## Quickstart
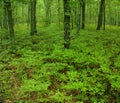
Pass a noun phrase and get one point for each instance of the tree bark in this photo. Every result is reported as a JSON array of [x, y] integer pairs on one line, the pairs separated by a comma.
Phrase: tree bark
[[100, 16], [79, 16], [10, 22], [33, 18], [66, 23], [83, 14], [104, 16], [5, 19]]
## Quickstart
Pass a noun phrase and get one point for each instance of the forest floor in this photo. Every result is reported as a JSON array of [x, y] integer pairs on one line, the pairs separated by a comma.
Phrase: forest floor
[[40, 70]]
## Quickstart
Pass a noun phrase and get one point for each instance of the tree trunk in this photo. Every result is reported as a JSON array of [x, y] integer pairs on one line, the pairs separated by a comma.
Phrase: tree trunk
[[28, 15], [10, 22], [90, 14], [47, 4], [33, 18], [118, 18], [72, 19], [5, 19], [104, 15], [23, 16], [66, 23], [83, 14], [74, 16], [78, 16], [110, 16], [100, 16], [58, 13]]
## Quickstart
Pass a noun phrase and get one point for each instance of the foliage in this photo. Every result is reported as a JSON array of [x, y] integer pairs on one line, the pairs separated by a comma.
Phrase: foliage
[[38, 71]]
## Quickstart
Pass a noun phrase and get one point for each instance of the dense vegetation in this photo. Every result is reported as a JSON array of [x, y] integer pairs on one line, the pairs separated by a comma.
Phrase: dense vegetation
[[43, 60]]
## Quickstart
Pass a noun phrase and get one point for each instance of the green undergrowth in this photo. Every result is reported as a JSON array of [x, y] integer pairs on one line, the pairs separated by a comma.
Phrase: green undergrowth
[[40, 70]]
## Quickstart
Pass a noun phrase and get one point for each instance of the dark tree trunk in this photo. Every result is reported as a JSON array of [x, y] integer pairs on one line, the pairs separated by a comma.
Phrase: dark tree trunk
[[75, 15], [66, 23], [33, 18], [72, 19], [5, 19], [118, 18], [100, 16], [47, 15], [78, 16], [10, 22], [104, 15], [83, 14]]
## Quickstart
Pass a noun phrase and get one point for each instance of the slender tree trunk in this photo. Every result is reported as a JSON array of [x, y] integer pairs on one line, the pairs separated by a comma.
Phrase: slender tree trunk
[[100, 17], [118, 18], [29, 15], [78, 16], [90, 13], [75, 15], [110, 16], [23, 16], [72, 19], [33, 18], [10, 22], [58, 13], [47, 16], [83, 14], [47, 4], [16, 13], [66, 23], [104, 16], [5, 19]]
